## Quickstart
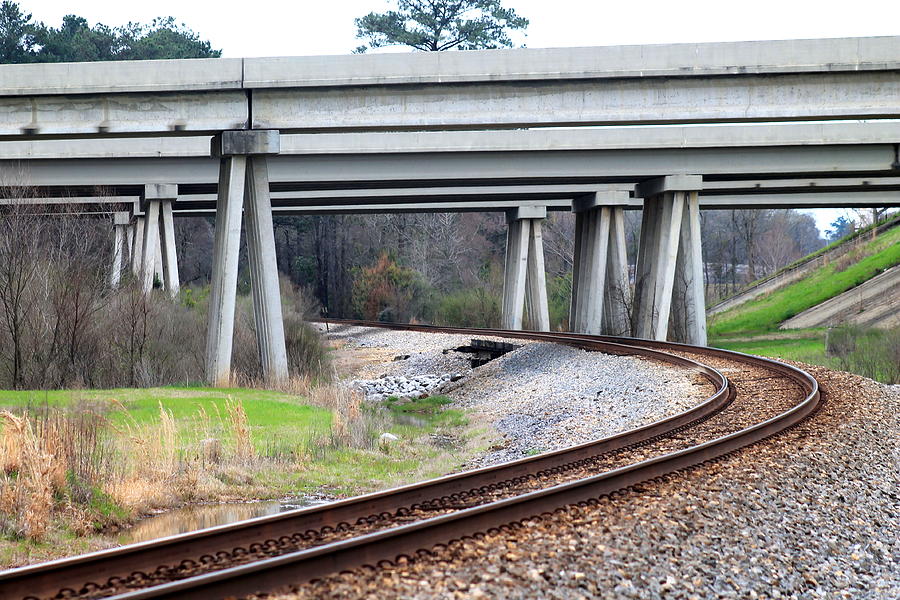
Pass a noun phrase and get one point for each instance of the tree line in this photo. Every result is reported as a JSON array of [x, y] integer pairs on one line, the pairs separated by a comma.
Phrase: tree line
[[22, 40]]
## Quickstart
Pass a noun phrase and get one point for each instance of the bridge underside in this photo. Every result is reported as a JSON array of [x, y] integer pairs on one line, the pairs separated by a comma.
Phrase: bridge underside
[[807, 123]]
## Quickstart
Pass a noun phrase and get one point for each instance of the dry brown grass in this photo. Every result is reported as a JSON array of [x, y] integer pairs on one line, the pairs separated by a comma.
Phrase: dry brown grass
[[240, 428], [34, 467]]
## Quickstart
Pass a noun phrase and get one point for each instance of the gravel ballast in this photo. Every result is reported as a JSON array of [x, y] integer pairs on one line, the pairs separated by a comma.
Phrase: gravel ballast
[[538, 397], [812, 513]]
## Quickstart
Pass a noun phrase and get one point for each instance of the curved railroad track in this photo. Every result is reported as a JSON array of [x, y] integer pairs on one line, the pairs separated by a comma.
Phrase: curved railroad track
[[758, 398]]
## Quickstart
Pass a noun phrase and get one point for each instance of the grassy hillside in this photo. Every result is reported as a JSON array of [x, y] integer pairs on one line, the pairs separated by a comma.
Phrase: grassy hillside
[[767, 312]]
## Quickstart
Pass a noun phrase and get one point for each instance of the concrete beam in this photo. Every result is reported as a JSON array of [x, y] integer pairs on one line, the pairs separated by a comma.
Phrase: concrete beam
[[605, 138], [245, 143], [476, 168], [858, 54], [822, 184], [161, 191], [605, 198], [669, 183], [859, 199], [762, 81], [526, 212]]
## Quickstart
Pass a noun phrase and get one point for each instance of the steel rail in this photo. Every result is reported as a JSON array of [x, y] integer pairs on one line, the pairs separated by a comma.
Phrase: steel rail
[[48, 579], [420, 537]]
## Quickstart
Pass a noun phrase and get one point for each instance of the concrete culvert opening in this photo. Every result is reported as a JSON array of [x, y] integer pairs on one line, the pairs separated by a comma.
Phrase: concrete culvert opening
[[484, 351]]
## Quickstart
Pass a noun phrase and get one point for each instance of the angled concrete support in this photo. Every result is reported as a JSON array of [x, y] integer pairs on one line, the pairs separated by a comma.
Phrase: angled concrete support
[[688, 320], [120, 250], [155, 195], [665, 202], [129, 240], [137, 247], [514, 273], [524, 279], [150, 243], [243, 181], [169, 256], [617, 293], [223, 288], [264, 271], [594, 230], [536, 280]]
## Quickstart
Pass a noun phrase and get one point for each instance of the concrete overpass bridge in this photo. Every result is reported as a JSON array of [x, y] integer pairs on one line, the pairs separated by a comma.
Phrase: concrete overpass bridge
[[598, 130]]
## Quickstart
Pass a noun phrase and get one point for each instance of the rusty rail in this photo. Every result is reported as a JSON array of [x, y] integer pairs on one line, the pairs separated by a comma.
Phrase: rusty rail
[[47, 579]]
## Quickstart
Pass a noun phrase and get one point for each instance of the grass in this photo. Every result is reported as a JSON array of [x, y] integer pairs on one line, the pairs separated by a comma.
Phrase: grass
[[151, 453], [806, 349], [273, 415], [871, 353], [824, 249], [767, 312]]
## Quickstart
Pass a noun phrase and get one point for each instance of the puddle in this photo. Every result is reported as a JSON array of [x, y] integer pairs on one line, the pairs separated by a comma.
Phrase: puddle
[[192, 518]]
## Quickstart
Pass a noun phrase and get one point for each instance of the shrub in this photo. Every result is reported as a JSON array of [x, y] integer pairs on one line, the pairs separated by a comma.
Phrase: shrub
[[389, 292], [872, 353], [473, 307]]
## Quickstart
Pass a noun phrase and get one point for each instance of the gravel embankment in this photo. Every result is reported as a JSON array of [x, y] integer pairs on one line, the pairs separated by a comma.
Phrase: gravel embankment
[[538, 397], [812, 513]]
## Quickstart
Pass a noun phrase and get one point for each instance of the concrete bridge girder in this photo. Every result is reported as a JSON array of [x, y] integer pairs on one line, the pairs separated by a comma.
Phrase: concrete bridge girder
[[797, 79]]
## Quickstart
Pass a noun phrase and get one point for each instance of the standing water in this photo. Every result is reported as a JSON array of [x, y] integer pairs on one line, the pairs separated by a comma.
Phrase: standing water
[[192, 518]]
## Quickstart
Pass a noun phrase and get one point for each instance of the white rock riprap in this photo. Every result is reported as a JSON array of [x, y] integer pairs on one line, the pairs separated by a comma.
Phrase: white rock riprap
[[404, 388]]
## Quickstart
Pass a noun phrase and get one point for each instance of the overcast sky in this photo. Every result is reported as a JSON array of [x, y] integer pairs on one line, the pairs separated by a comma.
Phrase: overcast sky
[[306, 27]]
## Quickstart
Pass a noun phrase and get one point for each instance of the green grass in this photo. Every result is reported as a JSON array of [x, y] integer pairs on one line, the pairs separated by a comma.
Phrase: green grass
[[767, 312], [809, 349], [273, 416], [282, 425]]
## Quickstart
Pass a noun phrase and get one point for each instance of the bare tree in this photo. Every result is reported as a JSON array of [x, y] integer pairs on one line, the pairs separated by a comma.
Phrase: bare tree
[[20, 235]]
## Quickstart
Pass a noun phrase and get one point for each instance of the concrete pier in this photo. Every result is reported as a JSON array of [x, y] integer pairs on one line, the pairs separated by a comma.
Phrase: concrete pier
[[243, 181], [120, 247], [599, 296], [169, 257], [524, 278], [671, 212], [157, 201], [137, 250], [617, 292], [264, 272]]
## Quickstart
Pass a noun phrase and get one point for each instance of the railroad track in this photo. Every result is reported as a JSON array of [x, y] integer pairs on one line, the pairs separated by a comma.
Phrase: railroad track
[[759, 398]]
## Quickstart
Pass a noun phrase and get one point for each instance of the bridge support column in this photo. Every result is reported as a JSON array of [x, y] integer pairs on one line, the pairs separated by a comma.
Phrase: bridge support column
[[243, 180], [617, 293], [137, 249], [598, 223], [169, 256], [158, 199], [524, 278], [688, 320], [664, 223], [120, 249]]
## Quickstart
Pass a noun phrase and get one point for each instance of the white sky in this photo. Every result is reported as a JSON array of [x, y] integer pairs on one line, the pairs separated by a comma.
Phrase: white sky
[[307, 27]]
